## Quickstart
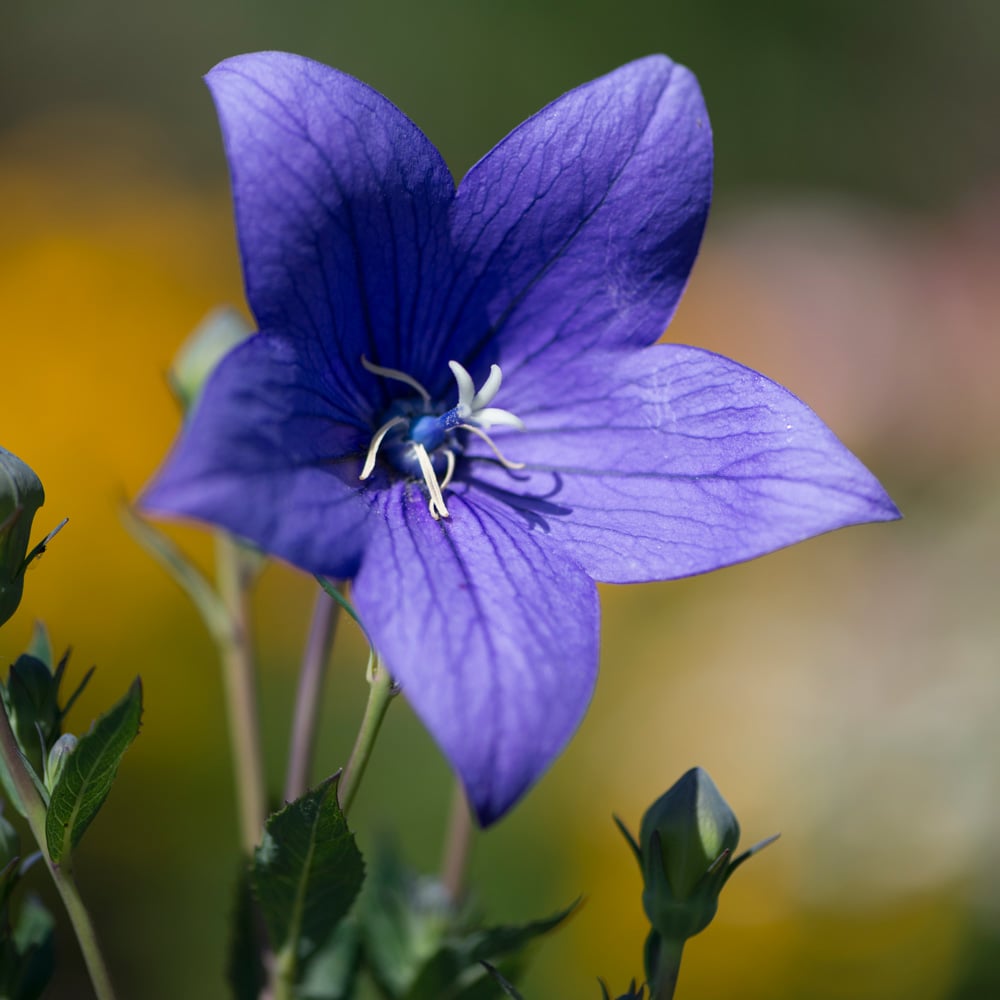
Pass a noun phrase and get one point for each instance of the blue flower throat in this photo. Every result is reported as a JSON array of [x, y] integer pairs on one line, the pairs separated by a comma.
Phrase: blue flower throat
[[421, 443]]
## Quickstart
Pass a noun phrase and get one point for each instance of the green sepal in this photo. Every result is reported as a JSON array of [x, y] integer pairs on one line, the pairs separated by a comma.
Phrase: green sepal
[[634, 993], [88, 773], [307, 872], [40, 646]]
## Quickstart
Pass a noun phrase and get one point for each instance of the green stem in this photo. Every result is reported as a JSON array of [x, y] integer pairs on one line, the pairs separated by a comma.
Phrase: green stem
[[309, 696], [84, 930], [381, 691], [34, 807], [284, 974], [233, 576], [457, 845], [668, 967]]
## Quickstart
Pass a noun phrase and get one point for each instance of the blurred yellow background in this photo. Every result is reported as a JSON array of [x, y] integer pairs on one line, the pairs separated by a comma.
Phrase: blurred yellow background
[[843, 692]]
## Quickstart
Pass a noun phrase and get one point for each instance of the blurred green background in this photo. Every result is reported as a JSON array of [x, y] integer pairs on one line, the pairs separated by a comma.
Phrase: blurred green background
[[844, 692]]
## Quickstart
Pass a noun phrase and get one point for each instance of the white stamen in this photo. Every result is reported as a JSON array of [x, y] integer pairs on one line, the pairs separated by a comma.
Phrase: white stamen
[[374, 446], [489, 390], [436, 504], [505, 462], [398, 376], [449, 456]]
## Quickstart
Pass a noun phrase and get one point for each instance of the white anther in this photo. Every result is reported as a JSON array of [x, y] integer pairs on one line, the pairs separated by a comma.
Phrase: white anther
[[505, 462], [369, 465], [398, 376], [436, 504]]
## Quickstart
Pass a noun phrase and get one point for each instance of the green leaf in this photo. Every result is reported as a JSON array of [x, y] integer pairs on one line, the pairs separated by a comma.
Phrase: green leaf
[[405, 919], [332, 973], [307, 872], [88, 774], [30, 955], [186, 575], [495, 942], [508, 988]]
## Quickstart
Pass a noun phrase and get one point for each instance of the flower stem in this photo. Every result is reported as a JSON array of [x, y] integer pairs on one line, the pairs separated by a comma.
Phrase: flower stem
[[284, 975], [309, 696], [233, 575], [84, 930], [668, 967], [34, 808], [457, 845], [381, 691]]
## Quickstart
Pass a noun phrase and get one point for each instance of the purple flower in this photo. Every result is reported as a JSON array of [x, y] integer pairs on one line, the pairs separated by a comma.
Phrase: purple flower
[[364, 432]]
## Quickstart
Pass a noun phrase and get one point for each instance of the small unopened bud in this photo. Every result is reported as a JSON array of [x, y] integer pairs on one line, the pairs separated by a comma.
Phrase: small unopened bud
[[21, 495], [217, 334], [686, 844], [687, 838], [56, 761]]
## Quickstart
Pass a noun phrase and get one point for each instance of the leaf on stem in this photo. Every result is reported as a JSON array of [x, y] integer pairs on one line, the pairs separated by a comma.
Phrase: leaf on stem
[[88, 774], [307, 872]]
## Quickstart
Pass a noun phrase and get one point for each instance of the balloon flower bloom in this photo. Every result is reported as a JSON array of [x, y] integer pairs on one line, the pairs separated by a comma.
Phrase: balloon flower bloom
[[456, 398]]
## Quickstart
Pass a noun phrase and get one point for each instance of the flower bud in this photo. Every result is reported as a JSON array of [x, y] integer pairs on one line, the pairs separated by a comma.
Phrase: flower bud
[[217, 334], [56, 760], [21, 495], [686, 840]]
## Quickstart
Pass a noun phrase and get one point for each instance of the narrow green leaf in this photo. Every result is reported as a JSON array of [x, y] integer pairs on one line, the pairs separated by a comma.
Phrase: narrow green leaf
[[307, 872], [88, 774], [508, 988], [186, 575], [495, 942]]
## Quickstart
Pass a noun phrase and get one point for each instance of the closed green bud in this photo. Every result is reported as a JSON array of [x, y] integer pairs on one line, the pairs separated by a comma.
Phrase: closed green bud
[[686, 840], [56, 760], [32, 696], [21, 495], [685, 850], [217, 334]]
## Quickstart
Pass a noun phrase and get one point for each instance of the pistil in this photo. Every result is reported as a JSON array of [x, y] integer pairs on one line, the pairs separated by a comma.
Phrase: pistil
[[428, 435]]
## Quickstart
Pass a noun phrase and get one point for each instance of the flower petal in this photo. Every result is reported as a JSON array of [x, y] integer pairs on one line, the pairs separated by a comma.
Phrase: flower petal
[[671, 461], [341, 210], [265, 456], [580, 228], [492, 634]]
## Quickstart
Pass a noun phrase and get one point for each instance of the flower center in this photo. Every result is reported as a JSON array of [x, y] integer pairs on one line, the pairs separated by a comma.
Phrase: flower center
[[423, 443]]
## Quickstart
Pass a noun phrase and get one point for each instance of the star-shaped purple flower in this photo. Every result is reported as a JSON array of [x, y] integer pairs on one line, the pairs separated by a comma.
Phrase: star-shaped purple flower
[[363, 433]]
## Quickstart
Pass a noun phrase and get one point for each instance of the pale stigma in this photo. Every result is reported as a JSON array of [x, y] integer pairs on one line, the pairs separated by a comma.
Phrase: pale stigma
[[414, 435]]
